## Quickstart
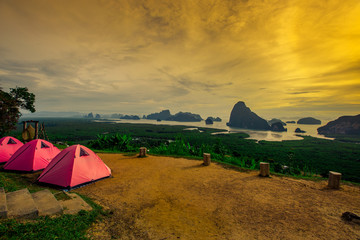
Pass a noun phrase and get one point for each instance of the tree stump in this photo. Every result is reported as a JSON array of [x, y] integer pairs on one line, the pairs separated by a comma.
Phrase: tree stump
[[264, 169], [142, 152], [334, 180], [207, 159]]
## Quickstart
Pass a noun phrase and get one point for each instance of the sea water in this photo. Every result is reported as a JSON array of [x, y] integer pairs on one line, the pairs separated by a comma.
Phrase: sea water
[[311, 130]]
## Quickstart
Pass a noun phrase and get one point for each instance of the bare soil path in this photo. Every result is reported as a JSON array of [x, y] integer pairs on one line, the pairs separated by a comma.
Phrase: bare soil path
[[175, 198]]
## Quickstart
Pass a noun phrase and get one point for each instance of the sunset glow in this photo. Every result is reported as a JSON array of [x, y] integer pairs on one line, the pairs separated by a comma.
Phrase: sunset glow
[[282, 58]]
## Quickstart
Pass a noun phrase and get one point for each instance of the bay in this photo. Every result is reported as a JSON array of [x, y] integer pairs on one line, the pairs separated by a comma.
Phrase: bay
[[311, 130]]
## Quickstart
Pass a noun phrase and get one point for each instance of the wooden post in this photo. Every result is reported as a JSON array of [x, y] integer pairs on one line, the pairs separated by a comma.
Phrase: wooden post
[[334, 180], [207, 159], [264, 169], [36, 129], [142, 152]]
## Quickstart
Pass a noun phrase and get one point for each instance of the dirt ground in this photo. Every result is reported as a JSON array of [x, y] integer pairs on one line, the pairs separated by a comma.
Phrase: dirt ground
[[175, 198]]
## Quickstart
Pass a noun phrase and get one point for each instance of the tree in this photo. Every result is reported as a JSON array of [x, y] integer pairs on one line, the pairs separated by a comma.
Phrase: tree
[[10, 105]]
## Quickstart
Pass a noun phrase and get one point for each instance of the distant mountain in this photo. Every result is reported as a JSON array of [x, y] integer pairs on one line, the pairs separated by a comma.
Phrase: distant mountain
[[130, 117], [242, 117], [52, 114], [185, 117], [90, 115], [163, 115], [179, 117], [116, 115], [309, 120], [345, 125], [274, 120], [122, 116]]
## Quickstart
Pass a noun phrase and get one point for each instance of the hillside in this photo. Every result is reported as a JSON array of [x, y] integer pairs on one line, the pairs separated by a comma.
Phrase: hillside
[[345, 125], [176, 198]]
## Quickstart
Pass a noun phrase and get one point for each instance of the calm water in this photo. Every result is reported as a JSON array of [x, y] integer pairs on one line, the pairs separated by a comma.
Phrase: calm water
[[311, 130]]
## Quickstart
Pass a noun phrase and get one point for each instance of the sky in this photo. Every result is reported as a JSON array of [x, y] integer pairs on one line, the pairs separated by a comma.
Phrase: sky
[[284, 59]]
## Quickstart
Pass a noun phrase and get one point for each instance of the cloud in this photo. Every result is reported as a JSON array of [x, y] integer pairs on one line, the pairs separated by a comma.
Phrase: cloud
[[170, 92], [296, 93], [17, 66], [201, 55], [349, 69], [187, 82], [11, 81]]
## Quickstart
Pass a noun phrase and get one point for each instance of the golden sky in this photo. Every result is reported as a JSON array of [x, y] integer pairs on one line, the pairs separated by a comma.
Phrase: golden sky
[[282, 58]]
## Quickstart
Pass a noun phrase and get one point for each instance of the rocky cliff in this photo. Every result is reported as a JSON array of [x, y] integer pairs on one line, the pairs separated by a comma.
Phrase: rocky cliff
[[242, 117], [346, 125]]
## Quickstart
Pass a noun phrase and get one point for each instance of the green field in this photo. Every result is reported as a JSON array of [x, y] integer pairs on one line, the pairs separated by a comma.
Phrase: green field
[[307, 157]]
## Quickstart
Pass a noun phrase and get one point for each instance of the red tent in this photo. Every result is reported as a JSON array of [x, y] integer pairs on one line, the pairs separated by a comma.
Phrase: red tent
[[73, 167], [33, 156], [8, 146]]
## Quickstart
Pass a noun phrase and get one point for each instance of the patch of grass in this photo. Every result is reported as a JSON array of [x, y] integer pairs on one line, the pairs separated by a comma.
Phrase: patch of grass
[[60, 146], [12, 181], [91, 203], [63, 227], [114, 151], [60, 195], [227, 165], [347, 138]]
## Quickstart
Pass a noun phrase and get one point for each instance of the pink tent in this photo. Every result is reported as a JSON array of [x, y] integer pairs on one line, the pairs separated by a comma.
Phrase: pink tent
[[8, 146], [33, 156], [73, 167]]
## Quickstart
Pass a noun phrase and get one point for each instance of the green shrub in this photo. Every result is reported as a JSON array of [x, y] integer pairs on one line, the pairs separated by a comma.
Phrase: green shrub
[[114, 142]]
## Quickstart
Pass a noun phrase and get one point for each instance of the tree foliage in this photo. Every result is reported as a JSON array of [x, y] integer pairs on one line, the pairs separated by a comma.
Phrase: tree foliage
[[10, 105]]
